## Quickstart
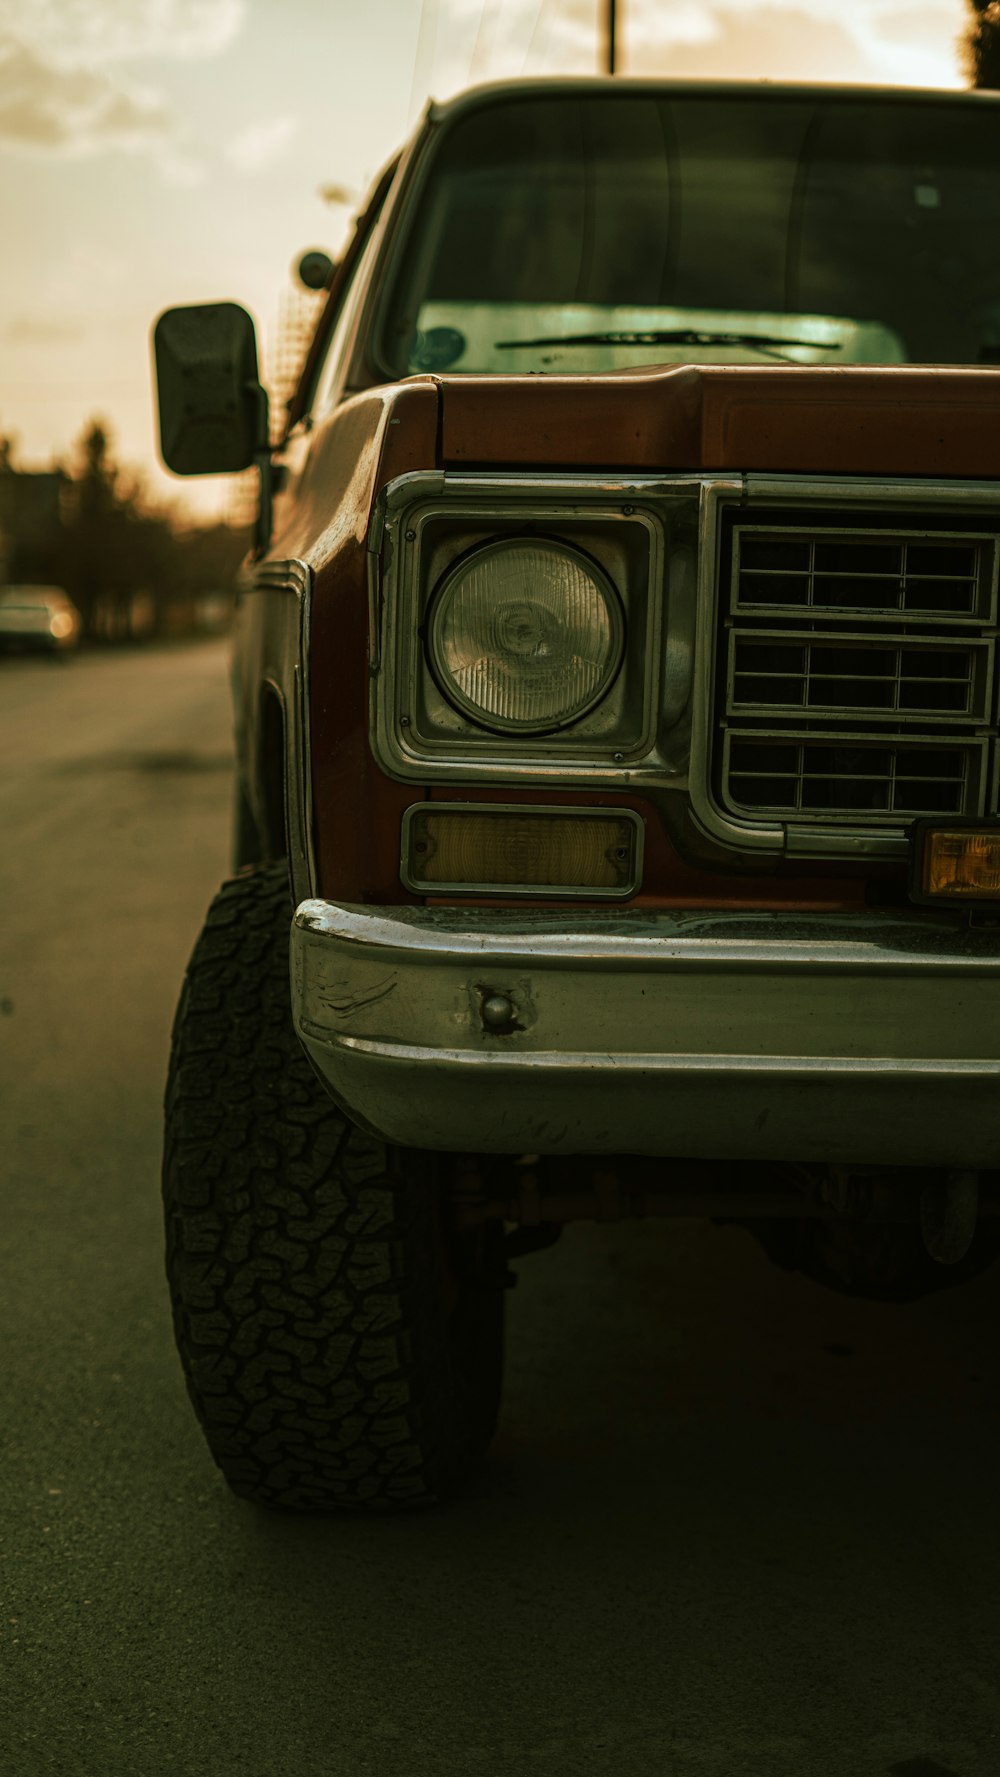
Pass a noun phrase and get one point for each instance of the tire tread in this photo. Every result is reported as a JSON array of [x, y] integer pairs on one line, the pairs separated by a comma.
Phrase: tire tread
[[304, 1264]]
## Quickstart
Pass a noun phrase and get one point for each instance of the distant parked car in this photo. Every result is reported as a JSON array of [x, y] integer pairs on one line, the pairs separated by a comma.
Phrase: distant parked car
[[38, 617]]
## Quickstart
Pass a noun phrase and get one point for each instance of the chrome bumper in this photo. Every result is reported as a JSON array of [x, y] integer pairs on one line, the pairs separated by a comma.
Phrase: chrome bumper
[[864, 1039]]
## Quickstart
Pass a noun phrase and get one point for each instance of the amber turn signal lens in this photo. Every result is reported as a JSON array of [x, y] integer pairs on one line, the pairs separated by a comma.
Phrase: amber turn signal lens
[[962, 864], [521, 850]]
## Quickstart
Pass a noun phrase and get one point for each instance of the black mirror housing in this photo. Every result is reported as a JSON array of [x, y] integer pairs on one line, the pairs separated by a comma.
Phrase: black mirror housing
[[212, 407], [315, 269]]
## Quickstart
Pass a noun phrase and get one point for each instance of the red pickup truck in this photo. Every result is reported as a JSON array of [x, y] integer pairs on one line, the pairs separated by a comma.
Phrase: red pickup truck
[[616, 693]]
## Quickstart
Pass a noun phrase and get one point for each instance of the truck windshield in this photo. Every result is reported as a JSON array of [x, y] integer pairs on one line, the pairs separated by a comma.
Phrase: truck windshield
[[578, 233]]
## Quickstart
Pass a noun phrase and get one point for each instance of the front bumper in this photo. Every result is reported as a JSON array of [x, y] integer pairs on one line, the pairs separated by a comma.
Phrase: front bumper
[[862, 1040]]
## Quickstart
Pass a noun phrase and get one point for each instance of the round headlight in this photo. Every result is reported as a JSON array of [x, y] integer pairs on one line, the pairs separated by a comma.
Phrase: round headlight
[[525, 635]]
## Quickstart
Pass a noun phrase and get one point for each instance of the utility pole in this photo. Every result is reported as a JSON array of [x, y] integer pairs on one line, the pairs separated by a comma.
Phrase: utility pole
[[609, 33]]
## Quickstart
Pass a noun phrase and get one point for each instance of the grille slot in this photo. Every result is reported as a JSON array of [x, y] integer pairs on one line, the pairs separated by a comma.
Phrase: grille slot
[[831, 572], [895, 676], [857, 669], [849, 775]]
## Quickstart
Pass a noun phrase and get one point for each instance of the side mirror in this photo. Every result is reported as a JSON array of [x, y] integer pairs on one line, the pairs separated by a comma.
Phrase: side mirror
[[213, 409]]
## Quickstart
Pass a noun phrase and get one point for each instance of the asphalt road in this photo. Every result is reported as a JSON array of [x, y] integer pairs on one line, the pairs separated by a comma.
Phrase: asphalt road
[[734, 1525]]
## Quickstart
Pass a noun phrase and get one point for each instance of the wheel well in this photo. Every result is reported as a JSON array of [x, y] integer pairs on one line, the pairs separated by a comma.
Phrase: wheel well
[[272, 812]]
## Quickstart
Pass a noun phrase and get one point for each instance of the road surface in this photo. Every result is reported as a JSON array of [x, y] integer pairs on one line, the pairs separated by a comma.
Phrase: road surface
[[734, 1525]]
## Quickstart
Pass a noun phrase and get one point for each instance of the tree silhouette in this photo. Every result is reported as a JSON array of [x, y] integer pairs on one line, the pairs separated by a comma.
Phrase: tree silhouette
[[982, 43], [106, 538], [128, 567]]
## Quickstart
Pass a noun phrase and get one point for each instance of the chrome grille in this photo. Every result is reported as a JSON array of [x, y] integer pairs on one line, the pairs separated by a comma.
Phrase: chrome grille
[[858, 675]]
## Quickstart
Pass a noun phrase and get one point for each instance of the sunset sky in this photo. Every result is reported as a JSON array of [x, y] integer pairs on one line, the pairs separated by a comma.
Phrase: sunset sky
[[160, 151]]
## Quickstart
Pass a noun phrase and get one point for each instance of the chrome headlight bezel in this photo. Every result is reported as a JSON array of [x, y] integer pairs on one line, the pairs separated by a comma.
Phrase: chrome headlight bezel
[[449, 591], [642, 535]]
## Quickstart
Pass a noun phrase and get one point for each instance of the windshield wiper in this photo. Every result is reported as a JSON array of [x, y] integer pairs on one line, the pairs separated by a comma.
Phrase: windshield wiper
[[672, 336]]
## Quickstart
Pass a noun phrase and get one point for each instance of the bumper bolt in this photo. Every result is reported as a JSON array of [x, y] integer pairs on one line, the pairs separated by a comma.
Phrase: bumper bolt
[[498, 1011]]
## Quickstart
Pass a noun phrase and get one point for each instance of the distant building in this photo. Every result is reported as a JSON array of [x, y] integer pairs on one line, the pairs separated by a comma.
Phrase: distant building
[[32, 515], [298, 312]]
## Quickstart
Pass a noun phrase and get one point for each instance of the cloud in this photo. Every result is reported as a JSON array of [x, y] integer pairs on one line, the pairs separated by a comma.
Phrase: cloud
[[770, 43], [262, 143], [32, 330], [831, 40], [101, 31], [347, 196], [822, 40], [44, 106], [928, 34], [181, 169], [62, 86]]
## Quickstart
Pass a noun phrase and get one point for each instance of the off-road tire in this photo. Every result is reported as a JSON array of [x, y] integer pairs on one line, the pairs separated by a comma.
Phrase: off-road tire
[[342, 1346]]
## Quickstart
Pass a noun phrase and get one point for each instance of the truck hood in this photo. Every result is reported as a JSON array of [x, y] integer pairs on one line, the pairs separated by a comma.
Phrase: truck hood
[[857, 421]]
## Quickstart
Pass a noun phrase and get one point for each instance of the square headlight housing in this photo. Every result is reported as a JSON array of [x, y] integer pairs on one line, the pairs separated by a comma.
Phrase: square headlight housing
[[427, 726]]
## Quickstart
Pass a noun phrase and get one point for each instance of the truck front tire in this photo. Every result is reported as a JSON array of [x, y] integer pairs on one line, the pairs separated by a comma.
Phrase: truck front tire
[[342, 1342]]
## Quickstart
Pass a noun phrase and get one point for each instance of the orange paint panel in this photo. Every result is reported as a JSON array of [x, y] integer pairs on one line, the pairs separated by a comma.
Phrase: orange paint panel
[[630, 419], [357, 809], [783, 419], [853, 422]]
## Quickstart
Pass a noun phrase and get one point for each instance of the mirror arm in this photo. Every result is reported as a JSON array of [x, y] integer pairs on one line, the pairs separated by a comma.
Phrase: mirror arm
[[262, 526], [262, 463]]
